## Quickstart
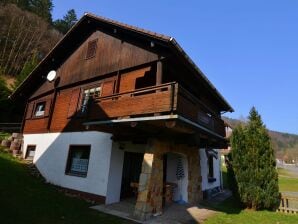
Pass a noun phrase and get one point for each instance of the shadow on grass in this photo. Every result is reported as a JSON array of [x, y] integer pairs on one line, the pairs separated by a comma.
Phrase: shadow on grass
[[26, 199], [229, 206]]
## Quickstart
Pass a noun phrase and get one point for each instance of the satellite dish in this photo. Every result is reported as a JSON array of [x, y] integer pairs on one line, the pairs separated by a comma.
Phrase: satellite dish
[[51, 76]]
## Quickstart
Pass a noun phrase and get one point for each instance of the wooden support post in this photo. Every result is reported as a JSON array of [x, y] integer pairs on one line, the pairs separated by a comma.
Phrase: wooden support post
[[159, 73], [158, 78]]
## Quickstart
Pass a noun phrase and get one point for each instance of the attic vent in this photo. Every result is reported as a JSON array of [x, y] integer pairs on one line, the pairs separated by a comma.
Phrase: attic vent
[[91, 50]]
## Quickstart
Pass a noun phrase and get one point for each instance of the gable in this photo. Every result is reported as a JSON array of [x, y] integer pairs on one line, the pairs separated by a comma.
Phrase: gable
[[112, 55]]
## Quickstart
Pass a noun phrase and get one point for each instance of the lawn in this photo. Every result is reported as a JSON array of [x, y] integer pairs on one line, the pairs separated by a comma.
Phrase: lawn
[[287, 181], [231, 213], [25, 199]]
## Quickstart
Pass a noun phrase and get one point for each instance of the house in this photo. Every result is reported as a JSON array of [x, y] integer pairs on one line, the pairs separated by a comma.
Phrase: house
[[114, 111]]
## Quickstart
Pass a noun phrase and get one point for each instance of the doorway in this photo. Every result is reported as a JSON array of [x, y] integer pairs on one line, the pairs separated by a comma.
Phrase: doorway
[[132, 167]]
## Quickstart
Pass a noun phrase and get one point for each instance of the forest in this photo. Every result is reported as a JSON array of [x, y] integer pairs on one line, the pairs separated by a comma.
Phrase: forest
[[27, 33]]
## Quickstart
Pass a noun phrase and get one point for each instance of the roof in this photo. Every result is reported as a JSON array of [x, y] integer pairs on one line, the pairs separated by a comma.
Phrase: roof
[[82, 28]]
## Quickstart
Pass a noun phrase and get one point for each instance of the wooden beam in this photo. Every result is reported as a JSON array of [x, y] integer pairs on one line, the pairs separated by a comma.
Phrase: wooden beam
[[159, 73]]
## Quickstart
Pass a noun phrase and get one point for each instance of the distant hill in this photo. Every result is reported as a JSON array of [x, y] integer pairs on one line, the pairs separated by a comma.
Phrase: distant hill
[[284, 144]]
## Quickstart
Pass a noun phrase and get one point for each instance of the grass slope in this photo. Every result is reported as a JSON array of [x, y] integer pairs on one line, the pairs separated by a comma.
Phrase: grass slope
[[25, 199]]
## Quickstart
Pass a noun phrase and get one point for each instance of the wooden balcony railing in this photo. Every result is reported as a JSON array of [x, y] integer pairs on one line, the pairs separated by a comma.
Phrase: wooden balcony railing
[[169, 98]]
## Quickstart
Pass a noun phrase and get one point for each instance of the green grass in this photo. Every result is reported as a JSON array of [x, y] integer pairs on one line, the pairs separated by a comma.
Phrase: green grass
[[224, 177], [287, 181], [230, 213], [25, 199], [4, 135]]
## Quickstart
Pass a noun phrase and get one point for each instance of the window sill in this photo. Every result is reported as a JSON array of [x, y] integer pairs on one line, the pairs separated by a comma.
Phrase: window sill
[[211, 179], [76, 175], [38, 117]]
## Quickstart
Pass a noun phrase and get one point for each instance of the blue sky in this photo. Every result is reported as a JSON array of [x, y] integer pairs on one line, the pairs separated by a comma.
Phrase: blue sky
[[247, 49]]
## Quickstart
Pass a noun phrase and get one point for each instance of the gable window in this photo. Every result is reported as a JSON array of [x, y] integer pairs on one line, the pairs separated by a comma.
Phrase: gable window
[[91, 49], [88, 95], [78, 160], [40, 109], [30, 152]]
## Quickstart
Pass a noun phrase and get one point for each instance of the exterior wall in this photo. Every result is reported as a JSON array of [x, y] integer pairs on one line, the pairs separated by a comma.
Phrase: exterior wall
[[171, 176], [204, 171], [116, 166], [115, 175], [150, 189], [51, 158], [112, 55]]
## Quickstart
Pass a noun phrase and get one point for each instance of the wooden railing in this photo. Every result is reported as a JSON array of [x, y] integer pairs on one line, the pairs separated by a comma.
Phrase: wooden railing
[[191, 107], [10, 127], [168, 98], [288, 204]]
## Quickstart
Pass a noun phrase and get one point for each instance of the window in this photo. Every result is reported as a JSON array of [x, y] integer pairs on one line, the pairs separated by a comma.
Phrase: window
[[40, 109], [88, 95], [78, 160], [30, 152], [210, 167], [91, 49], [211, 155]]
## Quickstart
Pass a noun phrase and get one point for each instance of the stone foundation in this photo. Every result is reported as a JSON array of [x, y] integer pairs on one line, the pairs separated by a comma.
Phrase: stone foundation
[[150, 193]]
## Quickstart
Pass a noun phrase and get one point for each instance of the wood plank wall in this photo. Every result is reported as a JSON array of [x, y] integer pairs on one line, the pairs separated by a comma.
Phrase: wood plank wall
[[112, 55]]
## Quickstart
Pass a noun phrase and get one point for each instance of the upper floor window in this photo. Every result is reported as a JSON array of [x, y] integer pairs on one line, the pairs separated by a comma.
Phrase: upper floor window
[[88, 95], [40, 109], [91, 49]]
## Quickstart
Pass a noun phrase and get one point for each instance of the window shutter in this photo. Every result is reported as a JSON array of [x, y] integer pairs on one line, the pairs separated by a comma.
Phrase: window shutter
[[29, 112], [73, 103], [108, 88], [48, 107], [91, 49]]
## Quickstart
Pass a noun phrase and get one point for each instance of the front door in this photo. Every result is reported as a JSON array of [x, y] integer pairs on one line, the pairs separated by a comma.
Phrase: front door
[[132, 167]]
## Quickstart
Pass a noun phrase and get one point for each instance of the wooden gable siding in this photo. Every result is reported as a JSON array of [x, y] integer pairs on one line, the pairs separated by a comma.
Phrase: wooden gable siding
[[61, 118], [33, 124], [68, 102], [112, 55], [128, 80]]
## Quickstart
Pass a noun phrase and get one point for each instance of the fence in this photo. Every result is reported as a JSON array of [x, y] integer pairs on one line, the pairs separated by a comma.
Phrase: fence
[[289, 204], [10, 127]]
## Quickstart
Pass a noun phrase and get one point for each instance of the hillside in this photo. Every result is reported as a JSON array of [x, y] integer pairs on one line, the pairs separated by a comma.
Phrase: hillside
[[284, 144]]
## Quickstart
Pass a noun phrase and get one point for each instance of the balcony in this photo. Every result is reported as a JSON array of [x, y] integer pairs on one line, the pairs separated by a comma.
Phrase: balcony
[[169, 100]]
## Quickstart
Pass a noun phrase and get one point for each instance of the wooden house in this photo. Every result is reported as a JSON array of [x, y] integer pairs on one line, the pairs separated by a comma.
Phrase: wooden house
[[125, 105]]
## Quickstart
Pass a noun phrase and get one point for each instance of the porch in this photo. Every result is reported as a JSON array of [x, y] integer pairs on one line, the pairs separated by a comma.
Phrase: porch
[[175, 213]]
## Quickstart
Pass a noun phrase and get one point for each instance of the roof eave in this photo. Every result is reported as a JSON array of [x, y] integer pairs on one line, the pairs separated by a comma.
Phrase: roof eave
[[190, 61]]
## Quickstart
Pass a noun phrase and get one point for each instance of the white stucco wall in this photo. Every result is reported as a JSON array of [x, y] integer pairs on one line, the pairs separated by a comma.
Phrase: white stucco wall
[[204, 171], [115, 175], [171, 176], [116, 167], [51, 158]]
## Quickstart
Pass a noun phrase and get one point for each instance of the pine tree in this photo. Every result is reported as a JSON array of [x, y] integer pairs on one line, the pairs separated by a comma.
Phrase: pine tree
[[63, 25], [254, 164]]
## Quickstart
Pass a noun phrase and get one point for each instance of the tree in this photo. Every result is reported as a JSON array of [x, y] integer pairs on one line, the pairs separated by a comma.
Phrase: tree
[[254, 164], [63, 25], [42, 8], [4, 90], [27, 69]]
